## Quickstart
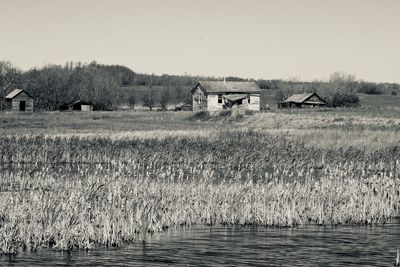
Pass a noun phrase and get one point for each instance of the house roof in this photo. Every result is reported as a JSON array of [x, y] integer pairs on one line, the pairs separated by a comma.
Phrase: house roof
[[234, 98], [15, 93], [302, 98], [228, 87], [78, 102]]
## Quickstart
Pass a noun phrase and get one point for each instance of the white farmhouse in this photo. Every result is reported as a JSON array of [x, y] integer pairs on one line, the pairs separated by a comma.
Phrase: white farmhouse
[[218, 95]]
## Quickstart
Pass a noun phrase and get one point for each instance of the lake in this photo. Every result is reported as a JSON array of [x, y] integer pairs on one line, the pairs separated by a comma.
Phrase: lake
[[239, 246]]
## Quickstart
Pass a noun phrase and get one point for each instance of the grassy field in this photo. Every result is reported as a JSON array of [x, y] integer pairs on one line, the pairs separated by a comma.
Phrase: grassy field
[[81, 180]]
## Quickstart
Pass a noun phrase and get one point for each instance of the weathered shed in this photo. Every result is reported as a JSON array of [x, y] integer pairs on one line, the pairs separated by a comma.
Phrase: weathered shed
[[182, 106], [19, 100], [218, 95], [80, 105], [303, 100]]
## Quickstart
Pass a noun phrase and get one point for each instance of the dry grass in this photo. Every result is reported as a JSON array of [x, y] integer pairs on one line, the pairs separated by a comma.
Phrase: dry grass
[[83, 211], [102, 179]]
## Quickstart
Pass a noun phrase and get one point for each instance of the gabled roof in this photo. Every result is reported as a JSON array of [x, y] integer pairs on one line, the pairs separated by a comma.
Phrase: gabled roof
[[301, 98], [15, 93], [228, 87]]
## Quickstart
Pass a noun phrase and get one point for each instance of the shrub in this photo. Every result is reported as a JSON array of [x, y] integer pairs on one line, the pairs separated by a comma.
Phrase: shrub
[[369, 88], [345, 100], [201, 115]]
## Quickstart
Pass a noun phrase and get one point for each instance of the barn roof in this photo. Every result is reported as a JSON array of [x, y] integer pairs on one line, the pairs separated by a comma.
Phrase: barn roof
[[15, 93], [301, 98], [228, 87]]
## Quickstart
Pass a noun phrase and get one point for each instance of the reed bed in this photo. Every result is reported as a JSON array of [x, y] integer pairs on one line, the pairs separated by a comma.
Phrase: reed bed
[[85, 210], [231, 154], [79, 192]]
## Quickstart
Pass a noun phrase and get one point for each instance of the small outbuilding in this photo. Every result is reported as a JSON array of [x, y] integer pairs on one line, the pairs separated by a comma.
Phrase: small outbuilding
[[219, 95], [309, 100], [182, 106], [19, 100], [80, 105]]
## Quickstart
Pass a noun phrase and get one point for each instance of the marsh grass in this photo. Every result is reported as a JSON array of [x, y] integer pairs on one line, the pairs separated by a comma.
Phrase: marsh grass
[[243, 153], [81, 192], [103, 179], [83, 211]]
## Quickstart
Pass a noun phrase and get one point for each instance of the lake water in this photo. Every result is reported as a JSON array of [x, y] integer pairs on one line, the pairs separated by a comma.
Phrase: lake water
[[239, 246]]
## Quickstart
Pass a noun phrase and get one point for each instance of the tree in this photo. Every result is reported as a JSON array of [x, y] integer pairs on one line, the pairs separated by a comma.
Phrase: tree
[[178, 94], [49, 86], [165, 99], [287, 88], [9, 79], [148, 99], [369, 88], [341, 90], [132, 101]]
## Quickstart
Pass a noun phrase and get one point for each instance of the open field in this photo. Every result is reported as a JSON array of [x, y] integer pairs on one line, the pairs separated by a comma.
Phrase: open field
[[80, 180]]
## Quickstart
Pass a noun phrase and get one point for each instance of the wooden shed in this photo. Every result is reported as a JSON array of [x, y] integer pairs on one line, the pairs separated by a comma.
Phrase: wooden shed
[[19, 100], [80, 105], [310, 100]]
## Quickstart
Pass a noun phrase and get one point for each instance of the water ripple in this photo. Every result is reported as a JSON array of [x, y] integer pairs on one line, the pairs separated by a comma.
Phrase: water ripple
[[239, 246]]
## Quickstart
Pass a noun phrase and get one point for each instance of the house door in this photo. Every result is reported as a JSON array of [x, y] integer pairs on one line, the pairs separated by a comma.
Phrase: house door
[[21, 105]]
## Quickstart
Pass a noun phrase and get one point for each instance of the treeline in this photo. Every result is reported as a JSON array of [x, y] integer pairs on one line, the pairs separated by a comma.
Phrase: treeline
[[109, 86], [54, 86]]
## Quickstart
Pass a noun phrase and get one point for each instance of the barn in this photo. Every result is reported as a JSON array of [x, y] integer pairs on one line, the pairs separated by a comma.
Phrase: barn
[[310, 100], [219, 95], [19, 100], [80, 105]]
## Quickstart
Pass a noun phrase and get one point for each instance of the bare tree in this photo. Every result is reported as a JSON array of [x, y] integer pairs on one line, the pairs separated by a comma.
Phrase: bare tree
[[132, 101], [148, 99], [8, 79], [165, 99], [178, 93]]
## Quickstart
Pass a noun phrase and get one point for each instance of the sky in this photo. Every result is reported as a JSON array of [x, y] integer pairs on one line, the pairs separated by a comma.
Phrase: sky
[[282, 39]]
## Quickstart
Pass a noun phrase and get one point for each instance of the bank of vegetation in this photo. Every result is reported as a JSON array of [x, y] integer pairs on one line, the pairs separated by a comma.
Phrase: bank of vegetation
[[108, 87]]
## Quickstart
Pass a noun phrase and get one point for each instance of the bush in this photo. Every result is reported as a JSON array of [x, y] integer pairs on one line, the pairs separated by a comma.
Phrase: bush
[[201, 115], [369, 88], [394, 92], [345, 100]]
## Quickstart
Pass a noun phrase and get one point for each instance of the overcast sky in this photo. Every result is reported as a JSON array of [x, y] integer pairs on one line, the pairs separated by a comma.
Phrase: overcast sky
[[307, 39]]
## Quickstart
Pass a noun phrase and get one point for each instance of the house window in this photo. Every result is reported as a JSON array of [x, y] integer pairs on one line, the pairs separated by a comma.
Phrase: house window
[[220, 99], [248, 100], [240, 102]]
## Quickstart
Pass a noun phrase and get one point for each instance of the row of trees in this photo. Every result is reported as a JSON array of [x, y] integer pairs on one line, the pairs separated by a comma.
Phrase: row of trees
[[53, 85], [160, 96], [107, 86]]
